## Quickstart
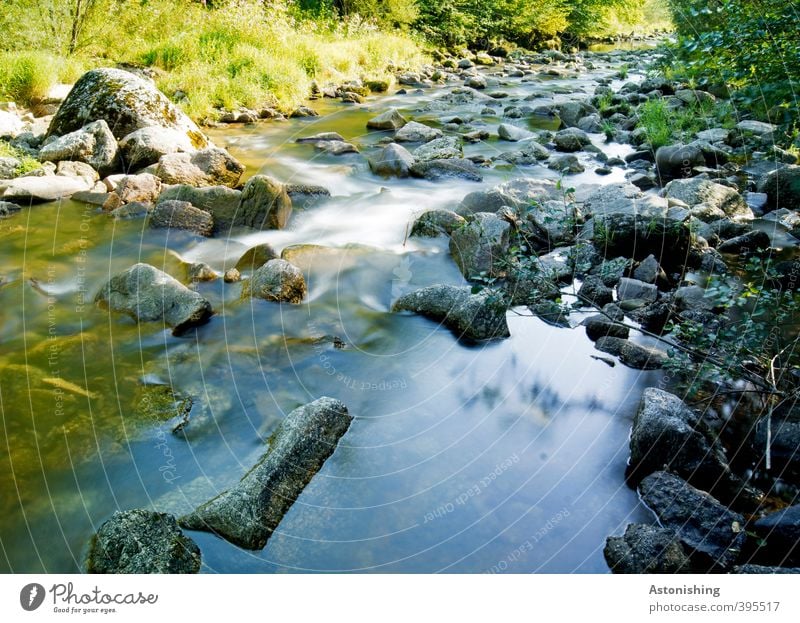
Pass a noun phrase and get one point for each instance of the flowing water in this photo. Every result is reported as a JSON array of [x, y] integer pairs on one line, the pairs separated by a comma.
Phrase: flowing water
[[506, 456]]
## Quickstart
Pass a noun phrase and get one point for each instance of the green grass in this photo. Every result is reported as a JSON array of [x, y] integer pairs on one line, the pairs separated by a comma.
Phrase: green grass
[[665, 125], [27, 164], [26, 76]]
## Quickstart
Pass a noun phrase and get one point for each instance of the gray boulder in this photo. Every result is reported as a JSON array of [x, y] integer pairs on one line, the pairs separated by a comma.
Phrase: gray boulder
[[630, 289], [631, 354], [144, 187], [480, 245], [27, 190], [142, 541], [698, 190], [751, 241], [255, 257], [782, 187], [714, 534], [389, 120], [439, 149], [646, 549], [277, 280], [174, 214], [595, 291], [460, 168], [519, 193], [10, 124], [208, 167], [248, 514], [264, 204], [571, 139], [219, 201], [509, 132], [9, 167], [413, 132], [678, 161], [93, 144], [148, 294], [473, 316], [394, 160], [434, 223], [781, 531], [145, 146], [125, 102], [600, 326]]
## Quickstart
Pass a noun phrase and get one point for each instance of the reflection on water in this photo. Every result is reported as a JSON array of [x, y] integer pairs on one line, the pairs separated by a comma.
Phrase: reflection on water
[[507, 456]]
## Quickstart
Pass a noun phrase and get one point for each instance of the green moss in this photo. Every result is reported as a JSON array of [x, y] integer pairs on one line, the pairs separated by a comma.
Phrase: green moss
[[27, 164]]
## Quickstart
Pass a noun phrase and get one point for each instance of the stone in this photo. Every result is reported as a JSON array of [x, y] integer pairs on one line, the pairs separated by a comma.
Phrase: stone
[[591, 124], [144, 187], [71, 168], [148, 294], [571, 139], [649, 270], [781, 531], [594, 291], [9, 167], [695, 96], [445, 168], [335, 148], [631, 354], [750, 242], [628, 289], [714, 534], [509, 132], [394, 160], [567, 163], [248, 513], [7, 208], [439, 149], [208, 167], [413, 132], [142, 541], [782, 187], [264, 204], [573, 112], [433, 223], [231, 276], [277, 280], [678, 161], [145, 146], [26, 190], [599, 326], [10, 124], [475, 82], [93, 144], [172, 214], [748, 569], [256, 256], [125, 102], [519, 194], [714, 135], [646, 549], [200, 271], [698, 190], [219, 201], [389, 120], [479, 246], [759, 128], [692, 298], [477, 316], [321, 136]]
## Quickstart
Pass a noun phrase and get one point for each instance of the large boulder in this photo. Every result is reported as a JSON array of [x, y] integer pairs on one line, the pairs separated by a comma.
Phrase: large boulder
[[219, 201], [389, 120], [698, 190], [632, 354], [145, 146], [439, 149], [646, 549], [142, 541], [781, 532], [144, 187], [571, 140], [93, 144], [208, 167], [414, 132], [433, 223], [248, 513], [509, 132], [460, 168], [713, 534], [519, 194], [173, 214], [782, 187], [479, 246], [25, 190], [394, 160], [256, 257], [126, 102], [678, 161], [265, 204], [148, 294], [277, 280], [473, 316]]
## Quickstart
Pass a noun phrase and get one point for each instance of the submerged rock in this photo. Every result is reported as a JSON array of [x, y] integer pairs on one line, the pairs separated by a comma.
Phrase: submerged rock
[[277, 280], [142, 541], [93, 144], [249, 513], [450, 167], [631, 354], [474, 316], [714, 534], [256, 256], [148, 294], [646, 549], [219, 201], [439, 149]]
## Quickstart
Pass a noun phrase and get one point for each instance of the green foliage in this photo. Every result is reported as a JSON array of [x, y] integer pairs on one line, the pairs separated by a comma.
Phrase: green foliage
[[655, 118], [27, 163], [26, 76], [664, 125]]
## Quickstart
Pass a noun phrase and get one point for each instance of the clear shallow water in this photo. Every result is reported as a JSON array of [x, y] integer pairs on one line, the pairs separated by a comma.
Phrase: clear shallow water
[[505, 457]]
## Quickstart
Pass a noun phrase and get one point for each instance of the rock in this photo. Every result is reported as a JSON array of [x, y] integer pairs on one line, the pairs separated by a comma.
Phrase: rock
[[26, 190], [125, 102], [781, 531], [628, 289], [759, 128], [698, 190], [70, 168], [200, 271], [475, 82], [571, 139], [277, 280], [519, 194], [148, 294], [509, 132], [439, 149], [592, 124], [573, 112], [219, 201], [529, 152], [93, 144], [714, 135], [10, 125], [678, 161], [782, 187], [144, 187], [322, 136], [145, 146], [248, 514], [750, 242], [232, 276], [256, 256], [599, 326], [142, 541], [264, 204], [480, 245], [473, 316], [7, 208], [649, 270], [174, 214], [784, 440], [304, 195], [303, 111], [595, 291], [762, 569], [450, 167], [715, 534], [9, 167], [631, 354], [433, 223], [209, 167], [695, 96], [389, 120], [567, 163], [646, 549], [413, 132], [335, 148], [394, 159]]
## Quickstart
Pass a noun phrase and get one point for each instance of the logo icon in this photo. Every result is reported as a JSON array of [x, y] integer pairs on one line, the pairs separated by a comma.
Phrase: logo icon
[[31, 596]]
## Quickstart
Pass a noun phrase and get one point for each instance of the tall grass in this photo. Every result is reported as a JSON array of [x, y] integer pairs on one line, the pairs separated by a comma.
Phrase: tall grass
[[27, 76]]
